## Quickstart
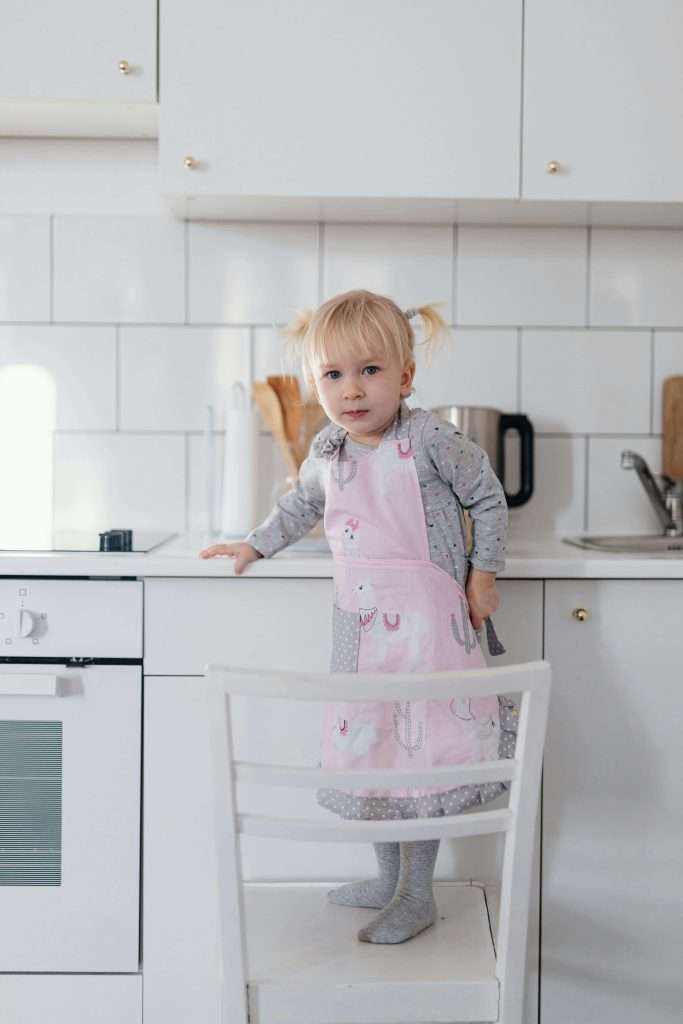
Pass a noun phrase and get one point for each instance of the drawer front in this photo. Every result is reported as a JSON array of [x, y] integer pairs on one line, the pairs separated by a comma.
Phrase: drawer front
[[48, 618], [262, 623]]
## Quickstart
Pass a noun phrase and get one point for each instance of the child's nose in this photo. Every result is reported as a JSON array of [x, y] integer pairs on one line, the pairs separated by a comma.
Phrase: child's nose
[[353, 387]]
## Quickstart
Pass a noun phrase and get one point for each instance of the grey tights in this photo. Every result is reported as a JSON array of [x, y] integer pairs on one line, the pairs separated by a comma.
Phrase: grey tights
[[403, 889]]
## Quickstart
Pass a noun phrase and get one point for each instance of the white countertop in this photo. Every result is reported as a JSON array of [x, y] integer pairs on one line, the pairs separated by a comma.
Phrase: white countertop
[[544, 558]]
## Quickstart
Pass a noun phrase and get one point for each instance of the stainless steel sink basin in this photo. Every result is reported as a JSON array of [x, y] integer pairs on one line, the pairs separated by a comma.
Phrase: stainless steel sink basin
[[640, 544]]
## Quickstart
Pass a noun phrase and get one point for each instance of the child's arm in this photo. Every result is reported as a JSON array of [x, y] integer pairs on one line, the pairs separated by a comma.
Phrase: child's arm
[[293, 515], [466, 468]]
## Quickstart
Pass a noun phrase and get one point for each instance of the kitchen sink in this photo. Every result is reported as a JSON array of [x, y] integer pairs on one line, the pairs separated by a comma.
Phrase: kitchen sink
[[640, 544]]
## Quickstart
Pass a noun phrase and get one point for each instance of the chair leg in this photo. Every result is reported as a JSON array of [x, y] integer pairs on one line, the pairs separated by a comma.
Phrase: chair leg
[[412, 908], [372, 892]]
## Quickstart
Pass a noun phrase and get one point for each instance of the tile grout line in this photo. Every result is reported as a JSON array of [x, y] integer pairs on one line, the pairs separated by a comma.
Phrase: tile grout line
[[117, 378], [454, 275], [519, 368], [186, 271], [652, 382], [589, 257], [51, 301], [321, 261], [586, 481]]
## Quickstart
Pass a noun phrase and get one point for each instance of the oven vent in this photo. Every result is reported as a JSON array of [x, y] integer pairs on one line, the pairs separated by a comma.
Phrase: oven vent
[[30, 803]]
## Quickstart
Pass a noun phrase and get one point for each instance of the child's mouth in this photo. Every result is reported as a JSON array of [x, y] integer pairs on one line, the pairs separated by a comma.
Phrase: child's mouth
[[356, 414]]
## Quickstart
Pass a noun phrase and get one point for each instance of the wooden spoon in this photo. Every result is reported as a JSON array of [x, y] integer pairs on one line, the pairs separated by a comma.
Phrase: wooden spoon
[[271, 411], [287, 389]]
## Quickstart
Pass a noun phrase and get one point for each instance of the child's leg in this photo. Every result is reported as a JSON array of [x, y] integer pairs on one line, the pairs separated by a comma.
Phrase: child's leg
[[412, 908], [374, 892]]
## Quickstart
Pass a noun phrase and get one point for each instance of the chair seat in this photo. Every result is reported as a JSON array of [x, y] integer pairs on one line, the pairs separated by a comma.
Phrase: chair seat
[[307, 966]]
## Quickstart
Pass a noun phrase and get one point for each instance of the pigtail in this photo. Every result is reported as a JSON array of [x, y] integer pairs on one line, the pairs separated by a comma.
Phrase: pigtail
[[295, 333], [436, 330]]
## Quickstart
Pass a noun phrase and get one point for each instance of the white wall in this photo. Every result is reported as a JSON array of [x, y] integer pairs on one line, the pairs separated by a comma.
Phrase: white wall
[[142, 320]]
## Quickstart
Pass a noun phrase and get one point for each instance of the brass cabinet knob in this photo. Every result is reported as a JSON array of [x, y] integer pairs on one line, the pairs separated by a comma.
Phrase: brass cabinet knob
[[124, 67], [190, 162], [581, 614], [552, 167]]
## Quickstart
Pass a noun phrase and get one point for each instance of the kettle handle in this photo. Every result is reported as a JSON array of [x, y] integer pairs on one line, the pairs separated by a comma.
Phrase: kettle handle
[[518, 421]]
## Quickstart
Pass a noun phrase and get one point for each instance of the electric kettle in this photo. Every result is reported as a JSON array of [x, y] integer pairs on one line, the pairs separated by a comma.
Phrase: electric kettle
[[487, 428]]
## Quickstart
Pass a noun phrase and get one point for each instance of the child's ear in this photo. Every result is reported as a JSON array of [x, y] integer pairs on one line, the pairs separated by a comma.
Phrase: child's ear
[[407, 379]]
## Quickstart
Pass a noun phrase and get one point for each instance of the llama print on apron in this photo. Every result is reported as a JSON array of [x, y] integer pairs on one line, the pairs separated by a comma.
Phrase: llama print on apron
[[396, 611]]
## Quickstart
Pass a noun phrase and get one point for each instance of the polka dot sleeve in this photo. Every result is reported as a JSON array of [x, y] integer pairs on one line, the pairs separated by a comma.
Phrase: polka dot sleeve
[[466, 468]]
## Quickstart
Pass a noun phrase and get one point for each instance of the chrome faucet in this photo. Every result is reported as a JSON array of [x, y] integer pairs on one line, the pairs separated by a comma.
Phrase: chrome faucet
[[666, 497]]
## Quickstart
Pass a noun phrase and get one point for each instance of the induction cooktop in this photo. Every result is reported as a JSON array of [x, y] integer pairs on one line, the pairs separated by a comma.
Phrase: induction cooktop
[[90, 540]]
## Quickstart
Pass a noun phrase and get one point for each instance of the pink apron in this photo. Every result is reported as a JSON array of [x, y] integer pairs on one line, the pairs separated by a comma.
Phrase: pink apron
[[395, 610]]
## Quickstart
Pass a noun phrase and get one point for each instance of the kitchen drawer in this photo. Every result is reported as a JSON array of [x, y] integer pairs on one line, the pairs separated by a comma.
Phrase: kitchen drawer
[[69, 998], [268, 623], [60, 618]]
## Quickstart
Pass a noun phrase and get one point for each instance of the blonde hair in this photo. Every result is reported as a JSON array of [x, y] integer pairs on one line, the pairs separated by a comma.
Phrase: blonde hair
[[363, 323]]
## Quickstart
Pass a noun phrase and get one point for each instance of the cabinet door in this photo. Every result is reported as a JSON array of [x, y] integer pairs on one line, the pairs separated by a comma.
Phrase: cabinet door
[[71, 50], [341, 98], [603, 96], [612, 906]]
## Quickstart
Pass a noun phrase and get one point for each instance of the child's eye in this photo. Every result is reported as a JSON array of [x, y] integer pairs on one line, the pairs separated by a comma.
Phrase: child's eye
[[372, 370], [331, 373]]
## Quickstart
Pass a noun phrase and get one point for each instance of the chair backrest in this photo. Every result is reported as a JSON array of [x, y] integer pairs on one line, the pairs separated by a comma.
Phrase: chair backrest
[[516, 821]]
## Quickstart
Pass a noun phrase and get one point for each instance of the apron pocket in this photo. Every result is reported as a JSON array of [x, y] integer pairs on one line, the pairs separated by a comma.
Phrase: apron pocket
[[345, 640]]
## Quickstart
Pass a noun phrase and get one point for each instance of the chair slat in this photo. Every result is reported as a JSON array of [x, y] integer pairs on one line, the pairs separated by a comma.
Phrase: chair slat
[[388, 686], [403, 830], [450, 775]]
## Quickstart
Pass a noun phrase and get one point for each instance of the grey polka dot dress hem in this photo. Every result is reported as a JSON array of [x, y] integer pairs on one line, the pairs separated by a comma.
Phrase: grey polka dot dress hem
[[432, 805]]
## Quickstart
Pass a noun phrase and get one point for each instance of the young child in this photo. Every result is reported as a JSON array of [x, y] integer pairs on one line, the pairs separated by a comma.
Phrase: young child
[[391, 483]]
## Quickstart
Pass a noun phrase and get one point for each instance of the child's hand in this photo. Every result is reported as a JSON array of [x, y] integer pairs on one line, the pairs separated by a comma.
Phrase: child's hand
[[242, 553], [482, 596]]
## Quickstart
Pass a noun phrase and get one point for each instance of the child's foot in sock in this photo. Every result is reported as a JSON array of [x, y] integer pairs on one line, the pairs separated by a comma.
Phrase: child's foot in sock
[[373, 892], [412, 908], [370, 893], [403, 918]]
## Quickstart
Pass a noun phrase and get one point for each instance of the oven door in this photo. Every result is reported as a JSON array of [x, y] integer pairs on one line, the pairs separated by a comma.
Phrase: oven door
[[70, 768]]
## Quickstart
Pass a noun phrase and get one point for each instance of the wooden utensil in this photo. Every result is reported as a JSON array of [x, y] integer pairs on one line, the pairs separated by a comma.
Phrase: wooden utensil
[[270, 409], [287, 389], [672, 427]]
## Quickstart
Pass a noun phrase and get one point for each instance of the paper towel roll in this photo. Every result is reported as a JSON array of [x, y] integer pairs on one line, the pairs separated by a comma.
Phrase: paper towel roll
[[238, 510]]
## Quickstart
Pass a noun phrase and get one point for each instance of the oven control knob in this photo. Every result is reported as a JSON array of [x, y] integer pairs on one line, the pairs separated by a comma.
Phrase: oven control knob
[[25, 623]]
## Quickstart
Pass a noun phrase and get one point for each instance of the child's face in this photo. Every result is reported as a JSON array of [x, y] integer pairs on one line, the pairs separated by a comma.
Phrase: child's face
[[362, 393]]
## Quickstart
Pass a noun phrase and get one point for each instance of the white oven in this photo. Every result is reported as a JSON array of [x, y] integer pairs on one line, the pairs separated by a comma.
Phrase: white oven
[[70, 771]]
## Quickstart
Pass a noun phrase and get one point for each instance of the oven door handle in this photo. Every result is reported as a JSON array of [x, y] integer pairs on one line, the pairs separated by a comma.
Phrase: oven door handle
[[25, 684]]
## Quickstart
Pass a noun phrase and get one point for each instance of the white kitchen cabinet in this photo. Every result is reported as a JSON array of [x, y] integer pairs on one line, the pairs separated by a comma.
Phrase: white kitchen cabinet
[[275, 106], [603, 98], [612, 908], [60, 71], [274, 623]]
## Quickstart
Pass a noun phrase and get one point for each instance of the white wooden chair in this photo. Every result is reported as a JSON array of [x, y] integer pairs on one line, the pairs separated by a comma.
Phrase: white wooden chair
[[291, 957]]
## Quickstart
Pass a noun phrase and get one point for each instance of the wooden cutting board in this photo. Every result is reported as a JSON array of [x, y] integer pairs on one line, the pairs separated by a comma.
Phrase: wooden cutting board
[[672, 427]]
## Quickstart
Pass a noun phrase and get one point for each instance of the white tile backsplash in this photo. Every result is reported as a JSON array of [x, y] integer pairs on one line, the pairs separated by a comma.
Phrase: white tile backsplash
[[170, 374], [119, 269], [412, 263], [472, 368], [591, 382], [617, 502], [131, 481], [522, 276], [25, 268], [242, 272], [78, 362], [139, 320], [636, 277]]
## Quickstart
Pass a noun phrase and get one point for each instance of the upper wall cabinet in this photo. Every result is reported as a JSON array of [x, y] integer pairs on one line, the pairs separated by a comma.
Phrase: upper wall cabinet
[[603, 100], [273, 109], [78, 67]]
